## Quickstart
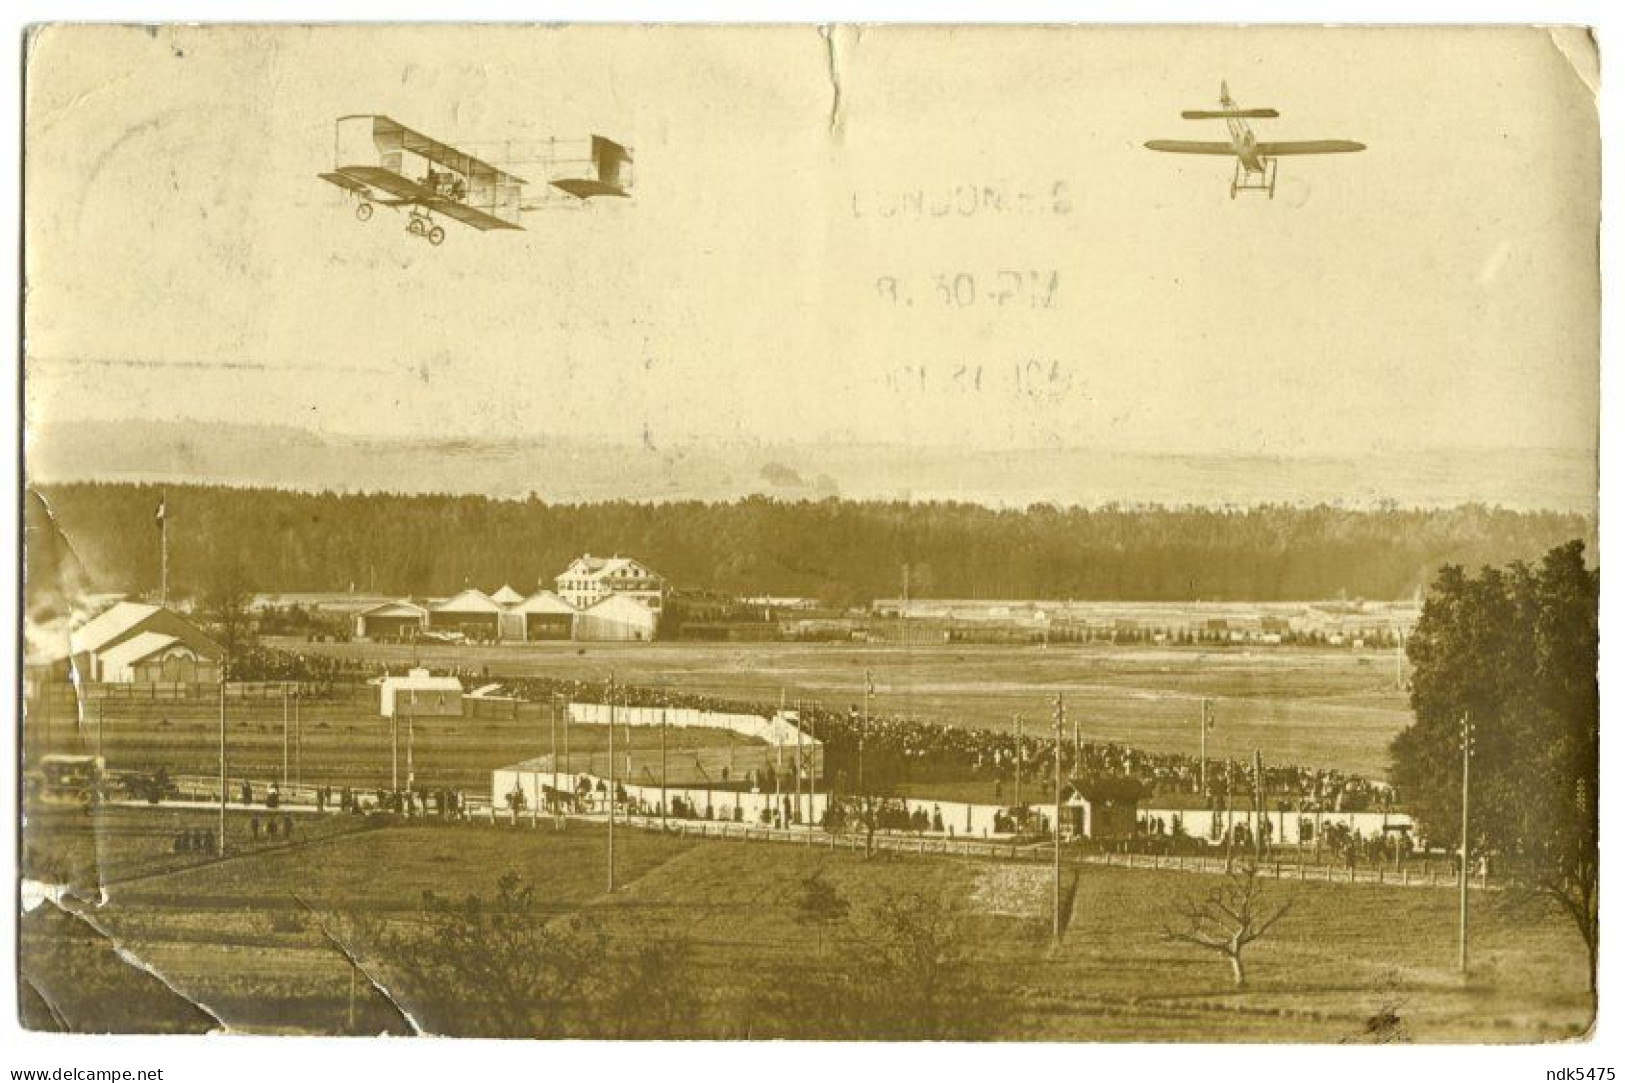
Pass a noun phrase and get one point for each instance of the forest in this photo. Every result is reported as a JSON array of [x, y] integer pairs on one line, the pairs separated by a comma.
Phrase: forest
[[842, 551]]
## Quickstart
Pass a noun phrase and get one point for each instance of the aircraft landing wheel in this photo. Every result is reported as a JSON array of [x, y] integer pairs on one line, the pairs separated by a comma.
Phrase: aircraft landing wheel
[[414, 227], [436, 235], [363, 211]]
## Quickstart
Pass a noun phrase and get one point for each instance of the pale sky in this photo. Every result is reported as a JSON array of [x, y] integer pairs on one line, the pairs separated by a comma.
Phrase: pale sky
[[1437, 290]]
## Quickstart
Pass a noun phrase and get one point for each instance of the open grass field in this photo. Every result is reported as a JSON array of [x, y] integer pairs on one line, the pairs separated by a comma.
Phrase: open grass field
[[1319, 707], [257, 940]]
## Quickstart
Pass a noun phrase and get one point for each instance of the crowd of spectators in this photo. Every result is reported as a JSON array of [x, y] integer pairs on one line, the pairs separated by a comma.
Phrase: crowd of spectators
[[896, 749]]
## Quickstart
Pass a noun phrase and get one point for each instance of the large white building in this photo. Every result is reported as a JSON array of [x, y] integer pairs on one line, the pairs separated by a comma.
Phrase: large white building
[[591, 579]]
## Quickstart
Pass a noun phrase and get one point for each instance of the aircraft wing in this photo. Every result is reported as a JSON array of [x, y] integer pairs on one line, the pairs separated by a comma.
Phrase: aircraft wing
[[347, 183], [1222, 114], [1313, 146], [1185, 146], [405, 190], [470, 216]]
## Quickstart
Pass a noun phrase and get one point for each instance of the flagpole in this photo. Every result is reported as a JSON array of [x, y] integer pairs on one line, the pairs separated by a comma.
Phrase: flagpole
[[611, 698], [1060, 722], [163, 549]]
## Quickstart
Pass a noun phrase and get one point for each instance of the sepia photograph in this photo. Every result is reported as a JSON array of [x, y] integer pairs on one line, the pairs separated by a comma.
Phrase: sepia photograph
[[835, 533]]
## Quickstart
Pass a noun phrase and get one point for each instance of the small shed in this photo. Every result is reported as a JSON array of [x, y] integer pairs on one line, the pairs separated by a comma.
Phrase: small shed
[[420, 694], [1106, 807]]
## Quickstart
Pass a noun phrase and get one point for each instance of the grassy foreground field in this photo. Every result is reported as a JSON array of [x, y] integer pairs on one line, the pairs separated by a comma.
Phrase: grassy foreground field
[[258, 940], [1320, 707]]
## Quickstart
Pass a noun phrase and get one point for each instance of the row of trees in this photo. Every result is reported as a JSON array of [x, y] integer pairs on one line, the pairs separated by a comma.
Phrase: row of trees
[[840, 550]]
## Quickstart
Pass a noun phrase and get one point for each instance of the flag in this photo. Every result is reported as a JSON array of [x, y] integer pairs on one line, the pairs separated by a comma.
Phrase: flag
[[869, 681], [1207, 714], [162, 511]]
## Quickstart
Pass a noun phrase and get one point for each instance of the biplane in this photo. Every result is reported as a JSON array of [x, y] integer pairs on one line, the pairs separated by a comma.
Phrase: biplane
[[382, 163], [1255, 161]]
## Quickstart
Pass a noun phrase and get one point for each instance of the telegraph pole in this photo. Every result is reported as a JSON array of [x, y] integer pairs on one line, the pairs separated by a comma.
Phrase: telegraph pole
[[801, 770], [1207, 720], [1258, 806], [1466, 772], [221, 849], [1060, 721], [1018, 760], [868, 686], [298, 742], [285, 739], [611, 698]]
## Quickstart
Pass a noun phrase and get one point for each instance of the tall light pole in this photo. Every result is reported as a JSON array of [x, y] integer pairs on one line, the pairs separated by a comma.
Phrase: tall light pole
[[611, 698], [863, 733], [298, 742], [1018, 760], [1466, 773], [1207, 720], [1060, 721], [1258, 806], [285, 738], [221, 849]]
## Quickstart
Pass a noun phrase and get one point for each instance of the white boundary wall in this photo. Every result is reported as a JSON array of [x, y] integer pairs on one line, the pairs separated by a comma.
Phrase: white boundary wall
[[776, 731]]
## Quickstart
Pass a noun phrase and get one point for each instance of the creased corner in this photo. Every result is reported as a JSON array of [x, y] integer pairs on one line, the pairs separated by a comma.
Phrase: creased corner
[[1578, 45], [132, 959]]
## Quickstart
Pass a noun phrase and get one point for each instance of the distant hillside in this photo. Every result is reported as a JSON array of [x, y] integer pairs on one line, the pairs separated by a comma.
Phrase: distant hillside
[[575, 471], [838, 549]]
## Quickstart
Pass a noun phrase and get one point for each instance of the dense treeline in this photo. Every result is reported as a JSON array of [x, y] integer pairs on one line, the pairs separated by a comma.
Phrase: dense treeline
[[840, 550]]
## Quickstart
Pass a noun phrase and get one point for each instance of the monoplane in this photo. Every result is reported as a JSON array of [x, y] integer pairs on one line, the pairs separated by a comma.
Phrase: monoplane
[[1255, 161]]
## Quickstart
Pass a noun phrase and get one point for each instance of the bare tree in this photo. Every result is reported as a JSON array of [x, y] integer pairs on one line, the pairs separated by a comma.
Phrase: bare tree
[[1229, 917], [225, 604]]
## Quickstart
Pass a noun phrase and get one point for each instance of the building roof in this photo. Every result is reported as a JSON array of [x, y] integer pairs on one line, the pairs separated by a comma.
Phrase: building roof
[[604, 567], [423, 682], [109, 625], [137, 648], [469, 601], [506, 595], [545, 601], [609, 603], [401, 608]]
